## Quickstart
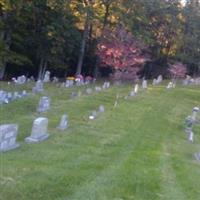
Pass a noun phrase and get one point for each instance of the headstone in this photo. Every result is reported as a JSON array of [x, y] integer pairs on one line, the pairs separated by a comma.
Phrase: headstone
[[21, 79], [101, 109], [159, 79], [132, 93], [38, 87], [63, 123], [24, 93], [88, 91], [154, 81], [39, 131], [44, 104], [197, 156], [195, 110], [106, 85], [136, 88], [144, 84], [55, 79], [191, 137], [8, 134], [98, 89], [47, 77]]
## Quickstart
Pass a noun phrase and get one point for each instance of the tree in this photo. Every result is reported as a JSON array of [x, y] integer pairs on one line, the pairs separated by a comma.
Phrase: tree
[[119, 50], [177, 70]]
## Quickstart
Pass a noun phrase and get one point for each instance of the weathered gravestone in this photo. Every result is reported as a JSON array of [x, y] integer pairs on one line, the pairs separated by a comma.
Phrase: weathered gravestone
[[38, 87], [144, 84], [44, 104], [21, 80], [8, 134], [47, 77], [132, 93], [98, 89], [154, 81], [159, 79], [39, 131], [63, 123], [89, 91], [101, 109]]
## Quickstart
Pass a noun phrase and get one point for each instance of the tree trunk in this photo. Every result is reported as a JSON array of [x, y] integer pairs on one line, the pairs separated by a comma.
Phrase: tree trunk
[[105, 21], [40, 72], [5, 36], [83, 44]]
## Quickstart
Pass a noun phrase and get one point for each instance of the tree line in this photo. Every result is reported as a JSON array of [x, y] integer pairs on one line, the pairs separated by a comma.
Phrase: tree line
[[63, 35]]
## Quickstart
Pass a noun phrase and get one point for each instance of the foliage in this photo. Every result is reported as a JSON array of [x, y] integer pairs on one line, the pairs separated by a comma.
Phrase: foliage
[[121, 51], [178, 70]]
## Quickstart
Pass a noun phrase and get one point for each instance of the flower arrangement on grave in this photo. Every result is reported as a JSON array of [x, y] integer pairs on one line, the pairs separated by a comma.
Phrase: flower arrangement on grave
[[70, 78]]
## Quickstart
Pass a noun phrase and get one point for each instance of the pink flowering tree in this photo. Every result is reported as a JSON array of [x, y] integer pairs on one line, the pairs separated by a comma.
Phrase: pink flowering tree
[[119, 50], [177, 70]]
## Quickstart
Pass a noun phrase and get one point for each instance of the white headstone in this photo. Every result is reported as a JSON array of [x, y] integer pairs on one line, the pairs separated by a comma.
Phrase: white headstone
[[39, 131], [191, 137], [136, 88], [47, 77], [144, 84]]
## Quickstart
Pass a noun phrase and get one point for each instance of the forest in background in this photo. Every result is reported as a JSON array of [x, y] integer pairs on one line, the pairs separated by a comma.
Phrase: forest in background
[[62, 35]]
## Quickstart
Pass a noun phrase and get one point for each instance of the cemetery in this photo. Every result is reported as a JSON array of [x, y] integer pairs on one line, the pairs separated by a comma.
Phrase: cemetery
[[100, 100]]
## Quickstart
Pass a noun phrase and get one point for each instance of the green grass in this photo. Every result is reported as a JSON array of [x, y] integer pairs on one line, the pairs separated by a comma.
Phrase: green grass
[[137, 151]]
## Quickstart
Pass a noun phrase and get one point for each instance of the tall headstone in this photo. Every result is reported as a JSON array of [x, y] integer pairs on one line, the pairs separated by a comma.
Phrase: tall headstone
[[47, 77], [191, 137], [8, 134], [44, 104], [39, 131], [63, 123], [136, 88]]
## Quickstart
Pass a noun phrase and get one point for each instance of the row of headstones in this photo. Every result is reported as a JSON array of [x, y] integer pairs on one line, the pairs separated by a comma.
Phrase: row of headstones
[[9, 132], [7, 97], [191, 81], [89, 91], [190, 121]]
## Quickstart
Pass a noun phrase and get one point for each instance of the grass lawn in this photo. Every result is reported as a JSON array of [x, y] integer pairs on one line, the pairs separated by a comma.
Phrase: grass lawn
[[136, 151]]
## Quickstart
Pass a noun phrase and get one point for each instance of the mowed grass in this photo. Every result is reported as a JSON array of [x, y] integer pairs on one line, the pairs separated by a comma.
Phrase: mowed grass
[[136, 151]]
